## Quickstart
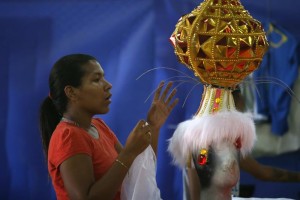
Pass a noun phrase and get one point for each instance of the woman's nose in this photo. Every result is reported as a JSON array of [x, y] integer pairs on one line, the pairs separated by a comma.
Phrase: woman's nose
[[108, 85]]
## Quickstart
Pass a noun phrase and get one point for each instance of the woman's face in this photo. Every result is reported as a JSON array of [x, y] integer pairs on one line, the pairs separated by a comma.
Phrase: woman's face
[[94, 94]]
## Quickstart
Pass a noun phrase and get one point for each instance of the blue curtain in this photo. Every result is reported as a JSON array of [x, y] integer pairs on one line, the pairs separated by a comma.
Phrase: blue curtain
[[128, 37]]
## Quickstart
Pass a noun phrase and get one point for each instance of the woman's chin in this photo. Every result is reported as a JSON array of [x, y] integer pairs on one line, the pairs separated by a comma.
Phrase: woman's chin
[[103, 110]]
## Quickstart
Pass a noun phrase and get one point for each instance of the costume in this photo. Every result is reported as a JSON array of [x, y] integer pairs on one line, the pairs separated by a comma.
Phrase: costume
[[222, 44], [69, 140]]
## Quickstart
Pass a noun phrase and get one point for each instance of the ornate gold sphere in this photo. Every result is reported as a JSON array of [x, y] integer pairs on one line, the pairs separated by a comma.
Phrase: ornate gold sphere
[[220, 41]]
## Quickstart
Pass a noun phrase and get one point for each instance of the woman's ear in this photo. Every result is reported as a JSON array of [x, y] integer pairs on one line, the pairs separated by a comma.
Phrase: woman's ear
[[70, 93]]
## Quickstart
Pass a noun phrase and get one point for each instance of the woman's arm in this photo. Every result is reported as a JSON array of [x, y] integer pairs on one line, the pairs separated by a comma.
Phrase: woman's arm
[[119, 147], [77, 171], [79, 181], [268, 173]]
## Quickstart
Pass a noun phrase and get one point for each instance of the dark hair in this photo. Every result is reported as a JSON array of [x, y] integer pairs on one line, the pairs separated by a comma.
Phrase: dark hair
[[67, 70]]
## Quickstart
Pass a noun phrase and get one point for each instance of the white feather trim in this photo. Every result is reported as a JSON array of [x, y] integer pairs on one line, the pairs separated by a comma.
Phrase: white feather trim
[[201, 132]]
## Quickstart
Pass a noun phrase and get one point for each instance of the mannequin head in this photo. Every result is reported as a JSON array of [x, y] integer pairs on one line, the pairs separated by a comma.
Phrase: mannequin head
[[218, 169]]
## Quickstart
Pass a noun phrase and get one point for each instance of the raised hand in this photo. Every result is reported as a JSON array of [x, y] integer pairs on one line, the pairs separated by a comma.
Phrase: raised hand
[[161, 106], [139, 139]]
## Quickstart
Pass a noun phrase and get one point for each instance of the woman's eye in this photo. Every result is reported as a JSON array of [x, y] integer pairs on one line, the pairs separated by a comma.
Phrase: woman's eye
[[202, 157]]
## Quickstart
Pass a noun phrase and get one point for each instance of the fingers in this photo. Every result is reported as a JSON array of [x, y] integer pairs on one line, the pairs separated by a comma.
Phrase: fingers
[[145, 128], [149, 134], [171, 96], [166, 91], [145, 124], [174, 103], [139, 139], [158, 91]]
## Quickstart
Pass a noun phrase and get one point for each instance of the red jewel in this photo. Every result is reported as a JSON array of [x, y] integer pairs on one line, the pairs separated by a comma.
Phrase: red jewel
[[202, 159], [238, 143]]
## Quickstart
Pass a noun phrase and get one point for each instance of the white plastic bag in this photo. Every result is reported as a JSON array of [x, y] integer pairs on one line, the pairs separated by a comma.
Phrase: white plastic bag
[[140, 183]]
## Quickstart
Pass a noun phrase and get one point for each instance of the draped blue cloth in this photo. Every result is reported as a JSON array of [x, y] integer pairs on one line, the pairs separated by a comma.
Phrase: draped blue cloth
[[281, 62], [128, 38]]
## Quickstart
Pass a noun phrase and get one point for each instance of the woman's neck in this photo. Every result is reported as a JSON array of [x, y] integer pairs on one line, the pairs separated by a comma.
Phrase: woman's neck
[[78, 119], [92, 130]]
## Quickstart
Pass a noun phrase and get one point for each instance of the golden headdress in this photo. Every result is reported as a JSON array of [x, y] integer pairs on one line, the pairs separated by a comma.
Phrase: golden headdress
[[220, 42]]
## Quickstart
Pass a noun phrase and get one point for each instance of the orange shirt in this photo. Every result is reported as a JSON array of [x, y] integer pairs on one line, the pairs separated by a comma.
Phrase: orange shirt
[[68, 140]]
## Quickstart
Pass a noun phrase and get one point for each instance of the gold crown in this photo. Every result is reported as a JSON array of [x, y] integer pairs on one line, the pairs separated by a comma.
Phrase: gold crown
[[220, 41]]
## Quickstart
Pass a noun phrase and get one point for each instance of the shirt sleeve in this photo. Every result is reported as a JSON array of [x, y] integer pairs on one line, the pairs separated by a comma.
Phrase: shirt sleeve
[[68, 143]]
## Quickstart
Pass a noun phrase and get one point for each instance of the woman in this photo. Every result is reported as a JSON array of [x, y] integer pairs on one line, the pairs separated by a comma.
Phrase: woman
[[85, 158]]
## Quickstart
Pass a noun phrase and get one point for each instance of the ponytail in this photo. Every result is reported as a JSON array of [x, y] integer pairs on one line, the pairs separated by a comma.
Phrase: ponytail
[[49, 118]]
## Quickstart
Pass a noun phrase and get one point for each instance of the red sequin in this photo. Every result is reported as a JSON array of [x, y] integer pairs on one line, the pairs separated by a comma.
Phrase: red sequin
[[202, 159], [238, 143]]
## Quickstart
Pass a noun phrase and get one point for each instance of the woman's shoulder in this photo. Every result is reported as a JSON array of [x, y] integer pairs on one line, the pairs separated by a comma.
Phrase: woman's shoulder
[[68, 140], [66, 127], [65, 131]]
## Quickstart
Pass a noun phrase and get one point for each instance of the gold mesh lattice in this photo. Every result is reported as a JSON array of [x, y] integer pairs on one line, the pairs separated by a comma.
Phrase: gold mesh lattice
[[220, 42]]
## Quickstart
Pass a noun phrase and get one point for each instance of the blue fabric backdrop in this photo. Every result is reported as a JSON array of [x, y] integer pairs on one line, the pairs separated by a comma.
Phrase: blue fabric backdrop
[[128, 37]]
